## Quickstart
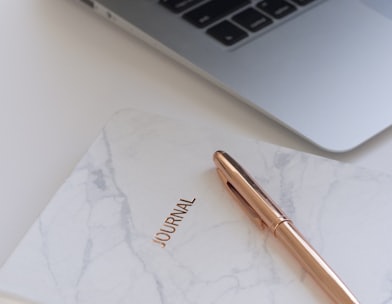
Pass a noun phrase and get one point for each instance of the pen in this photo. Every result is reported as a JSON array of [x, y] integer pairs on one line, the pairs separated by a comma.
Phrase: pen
[[265, 213]]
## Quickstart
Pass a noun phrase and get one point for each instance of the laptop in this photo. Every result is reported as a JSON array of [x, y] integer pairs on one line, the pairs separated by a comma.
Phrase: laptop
[[322, 68]]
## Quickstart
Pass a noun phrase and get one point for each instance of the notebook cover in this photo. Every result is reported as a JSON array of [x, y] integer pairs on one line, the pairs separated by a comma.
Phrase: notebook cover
[[144, 218]]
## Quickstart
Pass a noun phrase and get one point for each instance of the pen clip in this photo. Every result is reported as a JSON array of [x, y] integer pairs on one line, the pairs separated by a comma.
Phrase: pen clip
[[242, 201]]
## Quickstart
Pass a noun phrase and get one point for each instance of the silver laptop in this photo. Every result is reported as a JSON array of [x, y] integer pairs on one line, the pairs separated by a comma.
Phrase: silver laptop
[[322, 68]]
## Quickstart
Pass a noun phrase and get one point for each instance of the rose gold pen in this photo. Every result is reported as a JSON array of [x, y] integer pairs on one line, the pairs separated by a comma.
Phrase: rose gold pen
[[265, 213]]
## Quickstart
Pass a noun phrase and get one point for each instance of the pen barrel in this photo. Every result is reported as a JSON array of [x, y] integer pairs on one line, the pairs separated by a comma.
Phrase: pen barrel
[[312, 262]]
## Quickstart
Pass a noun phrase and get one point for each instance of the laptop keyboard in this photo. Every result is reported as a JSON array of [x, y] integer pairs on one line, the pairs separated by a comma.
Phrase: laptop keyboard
[[232, 21]]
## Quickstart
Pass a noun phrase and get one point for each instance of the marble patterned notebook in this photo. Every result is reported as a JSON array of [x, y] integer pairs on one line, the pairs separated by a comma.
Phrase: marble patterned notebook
[[144, 218]]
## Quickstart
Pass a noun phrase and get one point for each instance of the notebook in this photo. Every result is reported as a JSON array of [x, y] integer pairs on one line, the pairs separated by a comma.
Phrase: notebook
[[319, 67], [99, 240]]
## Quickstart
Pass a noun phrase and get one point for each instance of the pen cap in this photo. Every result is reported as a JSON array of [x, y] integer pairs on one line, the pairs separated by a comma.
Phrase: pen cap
[[246, 188], [242, 202]]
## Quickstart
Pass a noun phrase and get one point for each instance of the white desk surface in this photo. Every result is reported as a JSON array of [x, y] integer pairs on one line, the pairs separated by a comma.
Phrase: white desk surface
[[64, 71]]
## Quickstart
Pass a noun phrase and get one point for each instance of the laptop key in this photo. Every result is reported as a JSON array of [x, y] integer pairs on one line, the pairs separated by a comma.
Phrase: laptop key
[[178, 6], [227, 33], [252, 20], [212, 11], [302, 2], [276, 8]]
